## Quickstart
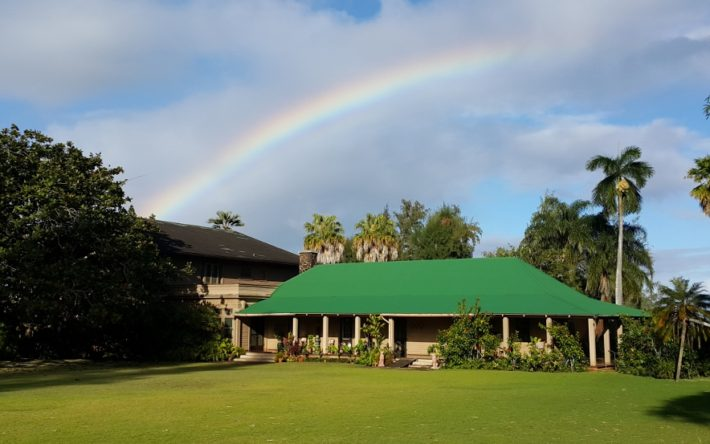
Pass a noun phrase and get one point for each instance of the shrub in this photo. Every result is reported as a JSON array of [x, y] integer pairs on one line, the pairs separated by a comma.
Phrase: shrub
[[571, 354], [468, 340]]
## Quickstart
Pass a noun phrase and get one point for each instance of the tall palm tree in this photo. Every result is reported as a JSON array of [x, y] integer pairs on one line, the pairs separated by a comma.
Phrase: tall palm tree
[[701, 175], [225, 220], [325, 236], [683, 312], [600, 263], [376, 240], [620, 192]]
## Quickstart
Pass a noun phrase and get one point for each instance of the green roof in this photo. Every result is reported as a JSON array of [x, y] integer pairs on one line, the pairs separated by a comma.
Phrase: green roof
[[502, 285]]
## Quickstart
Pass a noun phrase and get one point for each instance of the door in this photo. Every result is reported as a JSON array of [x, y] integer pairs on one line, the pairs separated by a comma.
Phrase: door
[[256, 335], [400, 337]]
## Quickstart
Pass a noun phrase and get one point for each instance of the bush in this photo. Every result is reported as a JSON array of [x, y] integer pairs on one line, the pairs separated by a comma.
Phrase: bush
[[468, 340], [571, 355]]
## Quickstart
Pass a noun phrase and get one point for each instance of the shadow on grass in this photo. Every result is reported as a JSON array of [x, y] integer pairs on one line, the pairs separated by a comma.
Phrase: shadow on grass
[[103, 374], [694, 409]]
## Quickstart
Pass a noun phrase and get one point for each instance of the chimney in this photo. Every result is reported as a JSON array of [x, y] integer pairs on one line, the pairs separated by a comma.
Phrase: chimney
[[306, 260]]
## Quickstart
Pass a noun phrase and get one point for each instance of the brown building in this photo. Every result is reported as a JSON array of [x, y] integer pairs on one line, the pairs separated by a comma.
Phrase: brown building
[[232, 271]]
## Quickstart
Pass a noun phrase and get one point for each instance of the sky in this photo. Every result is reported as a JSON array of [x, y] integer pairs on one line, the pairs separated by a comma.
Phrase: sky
[[278, 109]]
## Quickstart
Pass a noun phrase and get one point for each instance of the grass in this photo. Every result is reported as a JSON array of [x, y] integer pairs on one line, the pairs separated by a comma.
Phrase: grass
[[310, 402]]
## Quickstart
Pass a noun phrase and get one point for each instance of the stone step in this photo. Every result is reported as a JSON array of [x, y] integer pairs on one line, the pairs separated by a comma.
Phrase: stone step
[[256, 357]]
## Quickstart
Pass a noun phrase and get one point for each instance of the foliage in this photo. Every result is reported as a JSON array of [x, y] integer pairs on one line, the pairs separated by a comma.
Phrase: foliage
[[569, 347], [469, 339], [683, 314], [376, 240], [509, 251], [325, 236], [226, 220], [701, 175], [410, 221], [706, 107], [578, 248], [447, 234], [81, 274], [639, 351]]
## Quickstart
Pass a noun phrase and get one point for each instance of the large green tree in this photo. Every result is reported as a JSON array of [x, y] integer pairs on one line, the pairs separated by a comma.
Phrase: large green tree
[[325, 236], [226, 220], [81, 274], [683, 314], [619, 193], [701, 175], [410, 221], [376, 239], [447, 234]]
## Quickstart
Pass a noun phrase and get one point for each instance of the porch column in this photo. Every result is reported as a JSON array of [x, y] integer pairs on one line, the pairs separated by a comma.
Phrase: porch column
[[619, 334], [591, 331], [506, 329], [607, 344], [358, 326], [294, 328], [548, 337], [237, 332], [390, 334], [324, 336]]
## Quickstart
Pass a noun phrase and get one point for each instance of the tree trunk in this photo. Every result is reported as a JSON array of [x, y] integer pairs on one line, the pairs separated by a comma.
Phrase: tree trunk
[[680, 352], [620, 253]]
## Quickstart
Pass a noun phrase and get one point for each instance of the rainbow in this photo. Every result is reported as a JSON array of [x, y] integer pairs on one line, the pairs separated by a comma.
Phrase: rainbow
[[314, 112]]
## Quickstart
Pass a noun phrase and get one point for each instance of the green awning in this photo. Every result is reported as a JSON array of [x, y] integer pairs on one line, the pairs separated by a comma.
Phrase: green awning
[[504, 286]]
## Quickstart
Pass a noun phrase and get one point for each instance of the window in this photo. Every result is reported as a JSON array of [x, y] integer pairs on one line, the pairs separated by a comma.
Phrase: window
[[227, 327], [211, 273]]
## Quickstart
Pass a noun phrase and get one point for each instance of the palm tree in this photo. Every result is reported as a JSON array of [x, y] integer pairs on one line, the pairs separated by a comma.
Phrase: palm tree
[[325, 236], [599, 261], [377, 239], [683, 312], [619, 192], [701, 175], [225, 220], [706, 108]]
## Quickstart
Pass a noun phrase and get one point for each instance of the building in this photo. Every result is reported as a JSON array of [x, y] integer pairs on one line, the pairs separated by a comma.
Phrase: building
[[232, 271], [419, 298]]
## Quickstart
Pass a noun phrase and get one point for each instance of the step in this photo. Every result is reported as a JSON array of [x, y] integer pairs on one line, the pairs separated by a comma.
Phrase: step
[[256, 357]]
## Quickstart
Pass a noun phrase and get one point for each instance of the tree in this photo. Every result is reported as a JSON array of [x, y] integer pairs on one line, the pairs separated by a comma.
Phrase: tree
[[683, 313], [620, 192], [376, 240], [701, 175], [81, 274], [226, 220], [447, 234], [410, 221], [325, 236], [509, 251], [556, 239], [706, 108]]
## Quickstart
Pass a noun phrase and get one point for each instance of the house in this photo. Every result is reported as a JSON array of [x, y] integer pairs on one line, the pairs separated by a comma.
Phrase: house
[[419, 298], [232, 271]]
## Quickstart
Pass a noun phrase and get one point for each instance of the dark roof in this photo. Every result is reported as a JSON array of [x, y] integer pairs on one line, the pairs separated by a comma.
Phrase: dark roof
[[182, 239], [502, 285]]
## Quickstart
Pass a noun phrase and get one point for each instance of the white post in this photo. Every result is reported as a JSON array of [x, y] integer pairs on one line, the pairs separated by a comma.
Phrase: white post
[[592, 331], [324, 336], [607, 344], [358, 327], [548, 337], [619, 334], [390, 334], [294, 328], [506, 329]]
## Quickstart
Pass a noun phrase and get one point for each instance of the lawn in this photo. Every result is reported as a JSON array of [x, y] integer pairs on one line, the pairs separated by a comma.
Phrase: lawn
[[315, 402]]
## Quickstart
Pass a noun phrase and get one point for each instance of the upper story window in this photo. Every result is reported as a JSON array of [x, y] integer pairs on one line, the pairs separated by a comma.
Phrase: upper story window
[[211, 273]]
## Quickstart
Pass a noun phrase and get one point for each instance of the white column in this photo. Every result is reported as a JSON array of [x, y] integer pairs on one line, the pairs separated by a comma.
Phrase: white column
[[607, 344], [358, 327], [390, 334], [324, 336], [238, 332], [548, 337], [592, 332], [506, 329], [294, 328]]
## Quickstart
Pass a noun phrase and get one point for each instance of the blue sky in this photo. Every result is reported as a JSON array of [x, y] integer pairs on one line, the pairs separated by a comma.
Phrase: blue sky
[[161, 88]]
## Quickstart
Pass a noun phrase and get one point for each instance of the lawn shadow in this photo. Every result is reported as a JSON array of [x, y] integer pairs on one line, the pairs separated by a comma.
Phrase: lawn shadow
[[103, 374], [693, 408]]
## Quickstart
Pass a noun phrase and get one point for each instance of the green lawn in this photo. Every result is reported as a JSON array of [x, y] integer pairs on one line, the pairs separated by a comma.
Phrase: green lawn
[[340, 402]]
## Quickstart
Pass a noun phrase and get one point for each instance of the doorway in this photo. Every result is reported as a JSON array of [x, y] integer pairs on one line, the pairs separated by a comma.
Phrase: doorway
[[256, 335]]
